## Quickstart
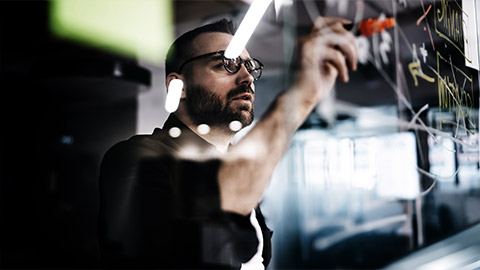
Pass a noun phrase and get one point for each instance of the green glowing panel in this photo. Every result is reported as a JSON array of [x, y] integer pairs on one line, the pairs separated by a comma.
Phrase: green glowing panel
[[142, 29]]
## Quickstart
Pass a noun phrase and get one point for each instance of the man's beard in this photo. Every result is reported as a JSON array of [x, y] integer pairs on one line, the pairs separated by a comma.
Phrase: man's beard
[[205, 107]]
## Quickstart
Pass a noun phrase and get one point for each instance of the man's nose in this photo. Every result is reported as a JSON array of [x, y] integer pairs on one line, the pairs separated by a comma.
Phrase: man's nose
[[243, 76]]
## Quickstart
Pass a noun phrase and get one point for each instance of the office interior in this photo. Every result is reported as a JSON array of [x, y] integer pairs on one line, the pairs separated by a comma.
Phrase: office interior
[[384, 173]]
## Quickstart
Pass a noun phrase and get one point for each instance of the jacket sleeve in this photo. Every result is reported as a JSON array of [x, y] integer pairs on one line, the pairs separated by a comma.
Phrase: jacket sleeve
[[160, 212]]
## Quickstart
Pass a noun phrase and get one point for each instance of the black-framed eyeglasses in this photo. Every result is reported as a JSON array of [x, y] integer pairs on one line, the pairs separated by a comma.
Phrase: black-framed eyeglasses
[[253, 66]]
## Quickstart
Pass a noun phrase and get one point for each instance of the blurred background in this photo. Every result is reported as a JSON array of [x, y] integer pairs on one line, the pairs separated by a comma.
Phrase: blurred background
[[383, 174]]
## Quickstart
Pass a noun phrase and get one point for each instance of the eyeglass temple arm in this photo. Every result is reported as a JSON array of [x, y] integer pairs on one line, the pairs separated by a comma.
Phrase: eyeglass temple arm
[[198, 57]]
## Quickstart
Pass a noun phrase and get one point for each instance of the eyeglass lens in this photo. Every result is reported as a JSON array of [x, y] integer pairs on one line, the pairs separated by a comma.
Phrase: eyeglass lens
[[253, 66], [232, 65]]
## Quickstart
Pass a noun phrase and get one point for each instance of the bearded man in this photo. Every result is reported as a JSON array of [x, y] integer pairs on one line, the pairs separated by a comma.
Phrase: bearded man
[[185, 196]]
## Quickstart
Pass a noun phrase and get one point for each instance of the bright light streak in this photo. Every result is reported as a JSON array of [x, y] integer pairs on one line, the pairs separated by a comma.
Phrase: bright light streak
[[173, 95], [246, 28]]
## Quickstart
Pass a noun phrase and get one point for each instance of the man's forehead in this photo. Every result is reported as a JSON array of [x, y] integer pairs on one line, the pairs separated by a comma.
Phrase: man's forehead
[[212, 42]]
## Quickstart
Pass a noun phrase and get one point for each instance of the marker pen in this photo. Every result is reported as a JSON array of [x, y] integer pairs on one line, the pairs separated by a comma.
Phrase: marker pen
[[370, 26]]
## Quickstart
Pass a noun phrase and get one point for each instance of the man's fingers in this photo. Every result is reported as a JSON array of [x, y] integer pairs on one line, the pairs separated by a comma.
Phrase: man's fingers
[[353, 59], [335, 35], [331, 69], [343, 43], [337, 59], [347, 45], [333, 27], [321, 22], [337, 27], [331, 46]]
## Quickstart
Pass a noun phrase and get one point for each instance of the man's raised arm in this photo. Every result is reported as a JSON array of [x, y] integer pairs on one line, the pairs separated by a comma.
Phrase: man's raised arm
[[328, 52]]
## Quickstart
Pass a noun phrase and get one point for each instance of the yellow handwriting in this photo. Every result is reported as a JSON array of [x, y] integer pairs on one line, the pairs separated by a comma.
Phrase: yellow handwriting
[[415, 70], [451, 96]]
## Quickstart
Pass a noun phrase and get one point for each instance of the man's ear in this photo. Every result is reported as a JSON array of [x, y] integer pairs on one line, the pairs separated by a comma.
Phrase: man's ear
[[172, 76]]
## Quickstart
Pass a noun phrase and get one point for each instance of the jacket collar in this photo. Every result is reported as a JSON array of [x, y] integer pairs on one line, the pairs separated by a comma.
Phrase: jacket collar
[[188, 142]]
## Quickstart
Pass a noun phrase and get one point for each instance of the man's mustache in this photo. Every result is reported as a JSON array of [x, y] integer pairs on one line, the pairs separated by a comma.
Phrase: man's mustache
[[242, 89]]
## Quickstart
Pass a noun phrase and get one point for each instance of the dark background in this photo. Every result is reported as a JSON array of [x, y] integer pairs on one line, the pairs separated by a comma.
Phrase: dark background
[[61, 108]]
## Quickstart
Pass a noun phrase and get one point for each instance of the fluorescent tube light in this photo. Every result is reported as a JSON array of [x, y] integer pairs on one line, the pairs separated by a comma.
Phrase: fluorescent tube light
[[173, 95], [246, 28]]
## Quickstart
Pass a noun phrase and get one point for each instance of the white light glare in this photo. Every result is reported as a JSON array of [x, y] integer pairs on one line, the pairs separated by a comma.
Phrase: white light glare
[[174, 132], [203, 129], [246, 28], [279, 4], [173, 95], [235, 125]]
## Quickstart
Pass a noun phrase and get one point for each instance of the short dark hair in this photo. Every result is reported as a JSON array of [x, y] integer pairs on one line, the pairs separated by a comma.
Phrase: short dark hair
[[182, 47]]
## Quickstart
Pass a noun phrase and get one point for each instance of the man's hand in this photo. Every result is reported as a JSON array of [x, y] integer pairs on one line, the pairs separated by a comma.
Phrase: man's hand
[[327, 52]]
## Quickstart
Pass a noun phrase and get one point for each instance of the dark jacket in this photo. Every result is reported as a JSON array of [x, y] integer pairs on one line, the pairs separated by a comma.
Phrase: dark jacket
[[161, 210]]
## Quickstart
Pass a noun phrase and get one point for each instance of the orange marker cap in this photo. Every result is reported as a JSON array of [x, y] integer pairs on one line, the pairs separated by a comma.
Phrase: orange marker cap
[[369, 27]]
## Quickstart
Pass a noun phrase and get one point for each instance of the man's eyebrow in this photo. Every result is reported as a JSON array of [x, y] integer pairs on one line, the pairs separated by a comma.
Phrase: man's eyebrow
[[216, 57]]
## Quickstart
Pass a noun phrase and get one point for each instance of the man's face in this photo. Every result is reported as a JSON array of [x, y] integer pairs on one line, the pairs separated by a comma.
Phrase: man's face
[[214, 96]]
